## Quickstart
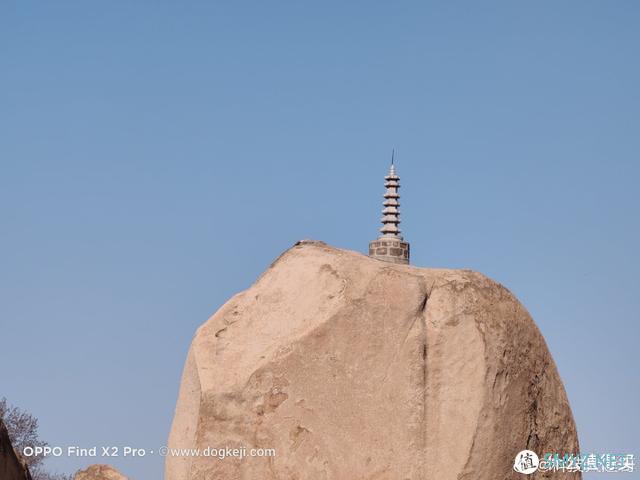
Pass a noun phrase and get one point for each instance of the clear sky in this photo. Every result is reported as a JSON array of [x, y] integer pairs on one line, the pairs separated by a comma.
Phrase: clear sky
[[157, 156]]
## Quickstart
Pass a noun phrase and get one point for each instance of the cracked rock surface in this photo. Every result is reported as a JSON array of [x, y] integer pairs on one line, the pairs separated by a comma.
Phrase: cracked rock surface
[[352, 368]]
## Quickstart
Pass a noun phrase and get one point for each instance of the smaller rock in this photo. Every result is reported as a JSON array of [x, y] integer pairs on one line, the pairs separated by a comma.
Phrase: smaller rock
[[99, 472], [10, 466]]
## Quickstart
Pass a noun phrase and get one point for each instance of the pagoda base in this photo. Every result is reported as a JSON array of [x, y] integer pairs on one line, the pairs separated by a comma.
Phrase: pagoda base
[[393, 250]]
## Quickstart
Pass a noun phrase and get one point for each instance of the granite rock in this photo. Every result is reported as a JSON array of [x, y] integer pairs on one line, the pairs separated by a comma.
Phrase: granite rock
[[99, 472], [354, 368]]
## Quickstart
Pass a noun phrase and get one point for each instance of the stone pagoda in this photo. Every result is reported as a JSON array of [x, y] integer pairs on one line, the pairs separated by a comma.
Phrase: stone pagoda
[[390, 246]]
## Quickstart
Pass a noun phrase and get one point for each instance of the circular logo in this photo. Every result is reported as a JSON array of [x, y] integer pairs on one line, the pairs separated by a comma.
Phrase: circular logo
[[526, 462]]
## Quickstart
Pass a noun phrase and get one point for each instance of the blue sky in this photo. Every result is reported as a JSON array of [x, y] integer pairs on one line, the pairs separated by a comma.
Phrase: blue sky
[[157, 156]]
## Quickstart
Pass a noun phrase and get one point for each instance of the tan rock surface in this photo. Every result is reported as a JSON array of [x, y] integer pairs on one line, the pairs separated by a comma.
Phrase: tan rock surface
[[353, 368], [10, 466], [99, 472]]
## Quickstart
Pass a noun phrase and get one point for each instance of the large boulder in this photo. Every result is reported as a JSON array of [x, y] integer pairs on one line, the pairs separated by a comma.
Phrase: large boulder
[[11, 468], [353, 368], [99, 472]]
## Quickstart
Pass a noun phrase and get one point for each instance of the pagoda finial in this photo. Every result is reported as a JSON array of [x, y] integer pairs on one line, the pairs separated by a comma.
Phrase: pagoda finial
[[390, 246], [392, 168]]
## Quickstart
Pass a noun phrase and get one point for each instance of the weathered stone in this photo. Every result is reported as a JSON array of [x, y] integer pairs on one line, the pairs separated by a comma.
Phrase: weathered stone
[[99, 472], [353, 368]]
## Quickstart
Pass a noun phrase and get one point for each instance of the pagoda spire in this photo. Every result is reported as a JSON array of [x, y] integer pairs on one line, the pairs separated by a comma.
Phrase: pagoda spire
[[390, 246]]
